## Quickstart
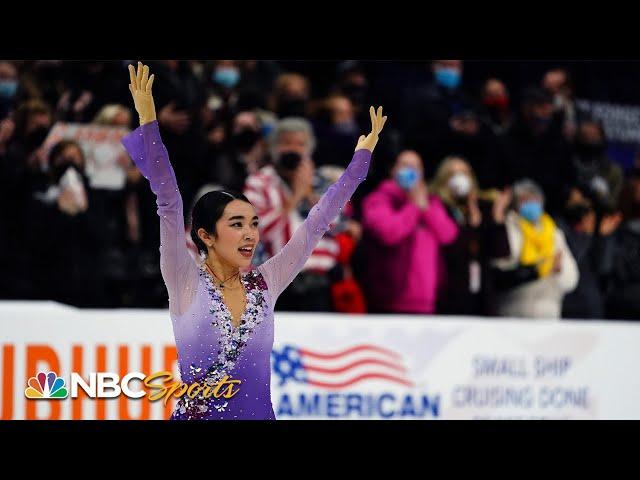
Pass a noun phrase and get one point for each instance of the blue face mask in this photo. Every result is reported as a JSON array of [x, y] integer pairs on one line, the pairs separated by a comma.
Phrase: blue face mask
[[266, 130], [448, 77], [531, 211], [226, 76], [8, 88], [407, 177]]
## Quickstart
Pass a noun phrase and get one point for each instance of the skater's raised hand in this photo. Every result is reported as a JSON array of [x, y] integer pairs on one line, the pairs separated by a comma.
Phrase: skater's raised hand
[[140, 88], [377, 123]]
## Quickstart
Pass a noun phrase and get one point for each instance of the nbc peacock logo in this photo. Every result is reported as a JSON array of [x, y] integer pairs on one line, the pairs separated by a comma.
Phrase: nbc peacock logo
[[46, 385]]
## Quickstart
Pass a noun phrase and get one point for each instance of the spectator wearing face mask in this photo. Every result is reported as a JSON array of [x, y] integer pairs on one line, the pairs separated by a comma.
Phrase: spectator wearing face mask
[[65, 237], [406, 229], [222, 85], [540, 269], [230, 91], [8, 88], [496, 106], [482, 237], [22, 171], [536, 149], [245, 155], [336, 129], [226, 75], [596, 173], [283, 193], [290, 96], [428, 108], [591, 241], [471, 138]]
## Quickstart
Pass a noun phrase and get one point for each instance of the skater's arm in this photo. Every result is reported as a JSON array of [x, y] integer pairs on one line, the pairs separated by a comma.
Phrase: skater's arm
[[144, 145], [280, 270]]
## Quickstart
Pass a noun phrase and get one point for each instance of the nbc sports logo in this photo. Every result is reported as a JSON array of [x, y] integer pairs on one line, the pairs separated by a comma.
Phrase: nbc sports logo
[[46, 386]]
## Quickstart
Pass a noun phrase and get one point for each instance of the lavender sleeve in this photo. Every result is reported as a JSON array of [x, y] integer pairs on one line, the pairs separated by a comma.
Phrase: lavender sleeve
[[179, 271], [280, 270]]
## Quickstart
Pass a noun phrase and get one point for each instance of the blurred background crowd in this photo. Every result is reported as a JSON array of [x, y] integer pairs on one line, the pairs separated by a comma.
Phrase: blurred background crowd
[[491, 191]]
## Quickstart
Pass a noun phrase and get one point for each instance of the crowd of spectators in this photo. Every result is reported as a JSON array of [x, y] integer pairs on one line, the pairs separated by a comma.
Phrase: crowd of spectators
[[491, 200]]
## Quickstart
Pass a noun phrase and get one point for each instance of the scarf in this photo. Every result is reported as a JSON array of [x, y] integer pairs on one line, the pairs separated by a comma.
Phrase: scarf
[[538, 244]]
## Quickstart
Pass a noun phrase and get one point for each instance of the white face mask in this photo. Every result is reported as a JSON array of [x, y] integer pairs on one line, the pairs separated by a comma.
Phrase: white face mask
[[460, 184]]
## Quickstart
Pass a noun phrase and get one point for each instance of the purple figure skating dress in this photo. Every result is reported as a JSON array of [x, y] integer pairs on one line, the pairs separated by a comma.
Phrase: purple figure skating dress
[[209, 346]]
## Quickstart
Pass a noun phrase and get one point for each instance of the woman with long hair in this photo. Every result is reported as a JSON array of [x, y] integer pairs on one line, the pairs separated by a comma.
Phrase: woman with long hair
[[482, 237]]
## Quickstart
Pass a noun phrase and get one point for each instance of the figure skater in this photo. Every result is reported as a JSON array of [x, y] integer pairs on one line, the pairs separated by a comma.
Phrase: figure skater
[[223, 319]]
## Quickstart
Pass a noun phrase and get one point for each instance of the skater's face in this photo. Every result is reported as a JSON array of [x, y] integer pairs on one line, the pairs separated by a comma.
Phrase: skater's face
[[237, 234]]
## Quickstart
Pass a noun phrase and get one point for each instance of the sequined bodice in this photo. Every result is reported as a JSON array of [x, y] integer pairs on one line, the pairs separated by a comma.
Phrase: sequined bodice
[[224, 344]]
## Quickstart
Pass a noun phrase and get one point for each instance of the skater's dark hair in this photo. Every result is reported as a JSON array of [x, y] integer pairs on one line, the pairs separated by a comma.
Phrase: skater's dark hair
[[208, 210]]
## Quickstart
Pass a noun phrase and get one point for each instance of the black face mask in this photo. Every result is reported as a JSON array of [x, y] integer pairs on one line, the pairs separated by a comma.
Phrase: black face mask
[[292, 107], [575, 213], [356, 93], [61, 167], [37, 137], [245, 139]]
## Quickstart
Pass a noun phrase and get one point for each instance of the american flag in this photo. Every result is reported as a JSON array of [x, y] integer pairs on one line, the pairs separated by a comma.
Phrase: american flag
[[339, 369]]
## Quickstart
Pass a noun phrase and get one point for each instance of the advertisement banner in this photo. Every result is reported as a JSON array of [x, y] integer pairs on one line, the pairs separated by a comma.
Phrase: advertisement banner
[[327, 366], [621, 124]]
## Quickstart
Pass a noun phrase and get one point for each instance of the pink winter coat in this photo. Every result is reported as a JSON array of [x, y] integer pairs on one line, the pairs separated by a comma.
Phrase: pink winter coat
[[404, 260]]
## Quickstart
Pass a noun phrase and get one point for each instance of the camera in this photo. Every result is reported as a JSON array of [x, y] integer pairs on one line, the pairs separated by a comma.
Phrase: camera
[[289, 160]]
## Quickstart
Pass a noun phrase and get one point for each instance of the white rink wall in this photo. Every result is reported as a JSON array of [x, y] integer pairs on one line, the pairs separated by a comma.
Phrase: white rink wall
[[329, 366]]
